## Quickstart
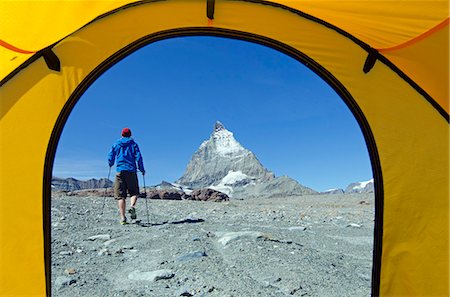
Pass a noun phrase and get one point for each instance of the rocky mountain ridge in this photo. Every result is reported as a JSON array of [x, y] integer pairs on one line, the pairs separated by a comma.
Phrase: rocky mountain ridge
[[360, 187], [355, 187], [72, 184]]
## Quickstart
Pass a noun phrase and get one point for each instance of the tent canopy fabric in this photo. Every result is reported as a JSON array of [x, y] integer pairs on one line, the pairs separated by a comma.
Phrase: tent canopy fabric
[[401, 30], [388, 60]]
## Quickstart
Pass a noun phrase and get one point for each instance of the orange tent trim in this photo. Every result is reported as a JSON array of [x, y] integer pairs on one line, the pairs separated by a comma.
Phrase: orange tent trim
[[417, 38], [15, 49]]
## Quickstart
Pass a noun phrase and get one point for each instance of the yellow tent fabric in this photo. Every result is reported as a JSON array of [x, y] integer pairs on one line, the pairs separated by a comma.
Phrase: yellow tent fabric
[[388, 60]]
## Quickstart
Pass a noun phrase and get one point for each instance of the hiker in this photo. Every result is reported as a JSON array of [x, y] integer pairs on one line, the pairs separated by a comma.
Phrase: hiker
[[127, 153]]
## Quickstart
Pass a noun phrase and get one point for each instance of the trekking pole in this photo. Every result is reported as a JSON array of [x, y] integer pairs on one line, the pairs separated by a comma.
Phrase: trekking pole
[[106, 188], [145, 194]]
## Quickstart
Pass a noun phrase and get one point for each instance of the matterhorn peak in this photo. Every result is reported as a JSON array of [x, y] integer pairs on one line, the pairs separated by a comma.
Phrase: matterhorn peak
[[224, 142], [218, 126], [217, 157], [223, 164]]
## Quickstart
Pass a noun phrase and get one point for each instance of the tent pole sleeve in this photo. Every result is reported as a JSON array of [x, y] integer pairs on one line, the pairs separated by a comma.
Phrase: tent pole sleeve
[[370, 60], [210, 4], [51, 59]]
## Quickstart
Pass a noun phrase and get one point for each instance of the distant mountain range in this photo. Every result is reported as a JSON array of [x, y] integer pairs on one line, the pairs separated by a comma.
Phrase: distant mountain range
[[223, 164], [72, 184], [356, 187], [360, 187]]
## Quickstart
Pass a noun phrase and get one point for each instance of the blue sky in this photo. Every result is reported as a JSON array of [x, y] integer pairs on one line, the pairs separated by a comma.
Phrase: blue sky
[[171, 93]]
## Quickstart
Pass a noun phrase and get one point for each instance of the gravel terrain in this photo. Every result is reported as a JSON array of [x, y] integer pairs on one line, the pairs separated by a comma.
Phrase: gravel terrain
[[318, 245]]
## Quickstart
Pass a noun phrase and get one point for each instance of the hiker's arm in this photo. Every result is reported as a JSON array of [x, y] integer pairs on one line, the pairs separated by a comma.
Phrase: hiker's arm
[[139, 159], [112, 156]]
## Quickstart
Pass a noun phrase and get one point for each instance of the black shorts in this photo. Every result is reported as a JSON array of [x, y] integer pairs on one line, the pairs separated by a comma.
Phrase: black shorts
[[126, 181]]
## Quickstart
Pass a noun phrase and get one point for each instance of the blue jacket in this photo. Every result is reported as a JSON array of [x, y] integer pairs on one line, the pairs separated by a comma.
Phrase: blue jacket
[[127, 153]]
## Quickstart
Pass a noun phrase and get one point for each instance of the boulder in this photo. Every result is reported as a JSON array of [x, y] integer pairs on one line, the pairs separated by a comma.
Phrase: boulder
[[165, 194], [207, 194], [151, 276], [199, 195]]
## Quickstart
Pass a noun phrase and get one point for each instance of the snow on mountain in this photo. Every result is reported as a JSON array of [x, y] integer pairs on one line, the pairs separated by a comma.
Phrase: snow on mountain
[[360, 187], [165, 185], [333, 191], [226, 144], [230, 180], [233, 177]]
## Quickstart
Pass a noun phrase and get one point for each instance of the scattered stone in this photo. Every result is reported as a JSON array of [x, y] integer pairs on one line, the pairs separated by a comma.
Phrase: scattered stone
[[109, 242], [301, 228], [271, 280], [293, 291], [191, 256], [66, 253], [354, 225], [104, 237], [70, 271], [104, 251], [151, 276], [184, 292], [232, 249], [365, 277], [228, 237], [64, 281]]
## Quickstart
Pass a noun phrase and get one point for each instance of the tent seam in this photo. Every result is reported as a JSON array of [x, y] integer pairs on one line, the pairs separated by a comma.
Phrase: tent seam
[[418, 38]]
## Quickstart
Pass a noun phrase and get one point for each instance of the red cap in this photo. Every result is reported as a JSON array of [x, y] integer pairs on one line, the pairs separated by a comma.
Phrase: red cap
[[126, 132]]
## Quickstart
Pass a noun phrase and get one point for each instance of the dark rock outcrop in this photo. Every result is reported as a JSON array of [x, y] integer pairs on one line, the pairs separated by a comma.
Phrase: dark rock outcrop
[[208, 195], [198, 195], [165, 194]]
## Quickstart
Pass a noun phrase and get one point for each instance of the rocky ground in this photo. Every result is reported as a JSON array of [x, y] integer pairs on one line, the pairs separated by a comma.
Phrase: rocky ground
[[318, 245]]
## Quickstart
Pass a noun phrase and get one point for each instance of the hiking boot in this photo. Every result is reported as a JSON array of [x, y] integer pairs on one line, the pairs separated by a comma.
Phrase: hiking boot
[[132, 212], [124, 221]]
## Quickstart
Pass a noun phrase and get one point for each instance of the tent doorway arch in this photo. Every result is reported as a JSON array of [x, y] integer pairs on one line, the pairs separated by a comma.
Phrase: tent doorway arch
[[146, 79], [389, 105]]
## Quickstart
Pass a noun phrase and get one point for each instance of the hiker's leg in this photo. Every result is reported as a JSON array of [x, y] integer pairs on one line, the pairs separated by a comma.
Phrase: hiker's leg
[[121, 205], [120, 193], [133, 187], [133, 200]]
